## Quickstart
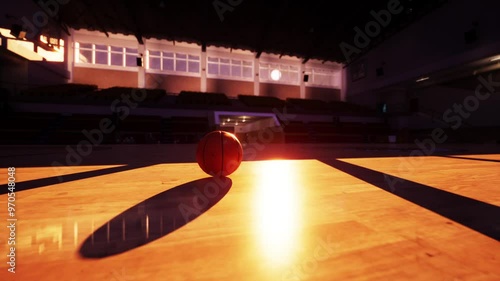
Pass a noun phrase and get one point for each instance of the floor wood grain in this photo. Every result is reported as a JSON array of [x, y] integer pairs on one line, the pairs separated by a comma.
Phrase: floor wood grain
[[281, 219]]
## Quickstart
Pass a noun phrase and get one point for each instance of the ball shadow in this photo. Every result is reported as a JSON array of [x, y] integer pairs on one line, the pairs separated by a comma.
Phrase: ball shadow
[[155, 217]]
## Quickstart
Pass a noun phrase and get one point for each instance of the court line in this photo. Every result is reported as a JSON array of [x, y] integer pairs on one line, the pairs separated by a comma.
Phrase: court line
[[471, 158], [38, 183], [474, 214]]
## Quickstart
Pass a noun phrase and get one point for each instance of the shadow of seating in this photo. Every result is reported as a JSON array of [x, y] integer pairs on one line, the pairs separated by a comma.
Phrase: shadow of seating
[[155, 217], [477, 215]]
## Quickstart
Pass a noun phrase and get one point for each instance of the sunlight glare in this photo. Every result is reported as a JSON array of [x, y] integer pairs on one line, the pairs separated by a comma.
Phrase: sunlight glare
[[277, 205]]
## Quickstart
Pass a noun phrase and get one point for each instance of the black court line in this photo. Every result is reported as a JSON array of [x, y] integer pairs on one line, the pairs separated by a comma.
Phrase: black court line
[[49, 153], [475, 214], [38, 183], [471, 158]]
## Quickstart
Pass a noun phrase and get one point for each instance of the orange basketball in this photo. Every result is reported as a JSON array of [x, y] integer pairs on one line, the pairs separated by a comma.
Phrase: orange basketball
[[219, 153]]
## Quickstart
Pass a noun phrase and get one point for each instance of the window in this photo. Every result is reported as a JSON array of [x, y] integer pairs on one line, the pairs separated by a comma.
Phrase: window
[[84, 53], [101, 54], [194, 64], [289, 73], [117, 56], [154, 60], [170, 61], [236, 68], [324, 77], [131, 57], [87, 53]]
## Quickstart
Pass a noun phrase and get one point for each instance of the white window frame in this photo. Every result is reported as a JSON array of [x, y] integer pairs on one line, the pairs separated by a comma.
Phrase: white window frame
[[175, 57], [270, 66], [315, 81], [93, 64], [240, 77]]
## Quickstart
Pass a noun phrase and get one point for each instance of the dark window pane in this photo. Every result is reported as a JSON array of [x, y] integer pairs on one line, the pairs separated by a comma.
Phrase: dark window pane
[[116, 59], [154, 53], [213, 69], [168, 64], [116, 49], [131, 51], [85, 45], [181, 65], [194, 67], [224, 70], [236, 71], [101, 47], [247, 72], [131, 60], [85, 56], [101, 57], [154, 63]]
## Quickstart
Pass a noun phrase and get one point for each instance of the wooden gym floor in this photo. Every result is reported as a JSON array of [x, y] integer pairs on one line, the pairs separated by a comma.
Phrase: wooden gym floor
[[295, 212]]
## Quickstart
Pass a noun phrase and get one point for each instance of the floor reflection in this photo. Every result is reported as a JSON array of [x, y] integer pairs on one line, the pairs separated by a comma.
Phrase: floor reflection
[[277, 210], [155, 217]]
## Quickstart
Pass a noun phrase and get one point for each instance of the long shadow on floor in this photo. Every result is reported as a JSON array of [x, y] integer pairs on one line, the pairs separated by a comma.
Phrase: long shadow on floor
[[155, 217], [477, 215], [471, 158], [26, 185]]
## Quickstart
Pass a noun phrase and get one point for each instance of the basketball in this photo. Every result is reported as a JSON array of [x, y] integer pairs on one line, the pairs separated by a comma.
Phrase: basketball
[[219, 153]]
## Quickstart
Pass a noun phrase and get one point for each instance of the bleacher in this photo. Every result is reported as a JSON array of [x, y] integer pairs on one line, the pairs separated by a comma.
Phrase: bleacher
[[200, 98], [340, 107], [141, 129], [60, 93], [117, 93], [187, 129], [67, 129], [261, 101], [309, 105], [25, 127]]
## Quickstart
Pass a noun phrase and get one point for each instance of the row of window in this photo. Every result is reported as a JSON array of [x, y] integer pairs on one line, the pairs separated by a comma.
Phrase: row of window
[[87, 53], [105, 55]]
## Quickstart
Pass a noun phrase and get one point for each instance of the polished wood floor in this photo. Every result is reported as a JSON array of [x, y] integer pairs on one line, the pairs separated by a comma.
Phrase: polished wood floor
[[309, 216]]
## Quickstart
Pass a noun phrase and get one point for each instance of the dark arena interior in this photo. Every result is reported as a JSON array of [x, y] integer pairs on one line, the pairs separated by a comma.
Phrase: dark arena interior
[[364, 139]]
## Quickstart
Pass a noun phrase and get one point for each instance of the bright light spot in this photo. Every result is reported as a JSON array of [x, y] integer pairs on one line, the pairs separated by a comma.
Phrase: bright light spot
[[275, 75], [277, 210], [422, 79], [57, 55], [44, 39], [6, 33], [495, 59], [24, 49]]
